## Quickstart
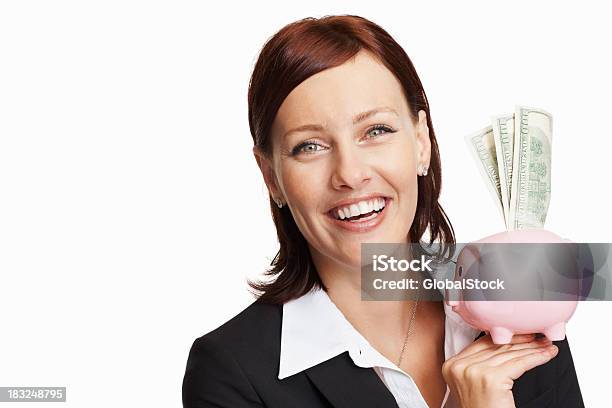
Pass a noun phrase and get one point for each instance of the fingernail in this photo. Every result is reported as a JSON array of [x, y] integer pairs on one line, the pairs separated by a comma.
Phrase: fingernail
[[552, 350]]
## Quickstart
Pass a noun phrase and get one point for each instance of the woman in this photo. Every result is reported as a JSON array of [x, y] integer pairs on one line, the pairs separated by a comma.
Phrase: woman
[[344, 140]]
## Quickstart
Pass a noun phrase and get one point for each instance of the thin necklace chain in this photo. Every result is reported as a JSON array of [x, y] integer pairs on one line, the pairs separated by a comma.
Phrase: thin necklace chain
[[410, 327]]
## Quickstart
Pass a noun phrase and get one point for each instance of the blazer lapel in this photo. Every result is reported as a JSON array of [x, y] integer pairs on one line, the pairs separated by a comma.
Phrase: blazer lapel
[[346, 385]]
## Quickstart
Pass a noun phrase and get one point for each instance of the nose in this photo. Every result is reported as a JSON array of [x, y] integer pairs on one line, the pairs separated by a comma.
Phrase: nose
[[350, 169]]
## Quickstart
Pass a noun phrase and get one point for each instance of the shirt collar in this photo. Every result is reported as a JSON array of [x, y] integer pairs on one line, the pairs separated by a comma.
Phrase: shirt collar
[[314, 330]]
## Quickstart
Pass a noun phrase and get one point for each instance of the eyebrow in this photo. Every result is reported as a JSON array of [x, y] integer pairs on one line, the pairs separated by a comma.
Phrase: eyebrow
[[360, 117]]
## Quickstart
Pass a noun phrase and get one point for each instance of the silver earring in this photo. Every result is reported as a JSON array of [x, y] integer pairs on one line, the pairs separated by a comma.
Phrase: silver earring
[[279, 203], [425, 170]]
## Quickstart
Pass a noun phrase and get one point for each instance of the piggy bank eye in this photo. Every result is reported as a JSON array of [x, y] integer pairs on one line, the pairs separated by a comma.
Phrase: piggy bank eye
[[460, 271]]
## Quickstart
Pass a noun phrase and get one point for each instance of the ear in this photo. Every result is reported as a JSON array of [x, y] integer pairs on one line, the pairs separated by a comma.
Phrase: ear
[[422, 140], [267, 170]]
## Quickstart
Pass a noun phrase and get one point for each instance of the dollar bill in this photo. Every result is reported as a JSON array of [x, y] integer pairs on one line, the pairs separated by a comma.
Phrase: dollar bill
[[530, 181], [514, 158], [481, 145], [503, 135]]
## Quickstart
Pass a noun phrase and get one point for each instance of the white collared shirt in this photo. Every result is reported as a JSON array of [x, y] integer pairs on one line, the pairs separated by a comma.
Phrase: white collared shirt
[[314, 330]]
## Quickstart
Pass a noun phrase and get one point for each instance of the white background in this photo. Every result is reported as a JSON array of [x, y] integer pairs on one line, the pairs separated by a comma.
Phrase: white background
[[132, 210]]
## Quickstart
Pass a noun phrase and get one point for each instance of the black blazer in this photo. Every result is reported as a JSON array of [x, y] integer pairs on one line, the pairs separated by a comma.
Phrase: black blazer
[[236, 366]]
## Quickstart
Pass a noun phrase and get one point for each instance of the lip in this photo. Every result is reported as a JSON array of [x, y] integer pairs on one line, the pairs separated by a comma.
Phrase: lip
[[363, 226]]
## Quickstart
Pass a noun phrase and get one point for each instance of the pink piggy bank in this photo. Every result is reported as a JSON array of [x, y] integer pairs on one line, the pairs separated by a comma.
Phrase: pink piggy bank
[[504, 318]]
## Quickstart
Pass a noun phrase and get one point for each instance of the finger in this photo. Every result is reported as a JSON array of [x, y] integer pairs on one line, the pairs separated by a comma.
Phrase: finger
[[542, 341], [495, 349], [485, 342], [501, 358], [534, 344], [523, 338], [516, 367]]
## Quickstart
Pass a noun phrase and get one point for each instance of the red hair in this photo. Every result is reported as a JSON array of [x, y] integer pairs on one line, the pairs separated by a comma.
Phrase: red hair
[[296, 52]]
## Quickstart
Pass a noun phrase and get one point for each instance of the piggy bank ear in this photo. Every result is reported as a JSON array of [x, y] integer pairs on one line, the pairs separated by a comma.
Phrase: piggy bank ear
[[468, 257]]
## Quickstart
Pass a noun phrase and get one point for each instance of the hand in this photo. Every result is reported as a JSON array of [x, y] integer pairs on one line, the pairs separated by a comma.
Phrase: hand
[[482, 375]]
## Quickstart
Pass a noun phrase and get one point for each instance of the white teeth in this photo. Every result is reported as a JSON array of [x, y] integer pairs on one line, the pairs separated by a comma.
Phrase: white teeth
[[362, 207]]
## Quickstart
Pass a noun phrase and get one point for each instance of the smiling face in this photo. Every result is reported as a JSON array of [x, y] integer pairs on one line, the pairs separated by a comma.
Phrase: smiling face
[[345, 155]]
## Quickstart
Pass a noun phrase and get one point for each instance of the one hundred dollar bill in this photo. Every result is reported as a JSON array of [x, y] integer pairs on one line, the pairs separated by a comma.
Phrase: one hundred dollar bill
[[530, 182], [503, 134], [481, 144]]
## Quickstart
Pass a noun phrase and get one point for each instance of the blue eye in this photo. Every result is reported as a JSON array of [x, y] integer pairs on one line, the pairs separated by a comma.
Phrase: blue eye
[[380, 129], [306, 147]]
